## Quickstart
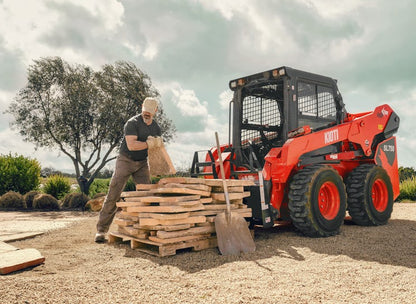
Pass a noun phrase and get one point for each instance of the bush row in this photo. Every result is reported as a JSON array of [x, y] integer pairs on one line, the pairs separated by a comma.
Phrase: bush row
[[56, 195], [34, 200]]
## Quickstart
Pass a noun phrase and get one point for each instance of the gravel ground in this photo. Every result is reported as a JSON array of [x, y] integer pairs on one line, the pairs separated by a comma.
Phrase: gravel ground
[[360, 265]]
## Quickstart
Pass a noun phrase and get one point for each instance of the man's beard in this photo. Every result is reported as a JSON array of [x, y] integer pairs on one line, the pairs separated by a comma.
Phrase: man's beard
[[147, 119]]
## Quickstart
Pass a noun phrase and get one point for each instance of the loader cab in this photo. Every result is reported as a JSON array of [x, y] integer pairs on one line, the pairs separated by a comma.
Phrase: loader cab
[[266, 108]]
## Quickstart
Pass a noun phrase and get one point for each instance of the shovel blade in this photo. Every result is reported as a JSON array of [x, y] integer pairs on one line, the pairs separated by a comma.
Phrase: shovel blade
[[233, 235]]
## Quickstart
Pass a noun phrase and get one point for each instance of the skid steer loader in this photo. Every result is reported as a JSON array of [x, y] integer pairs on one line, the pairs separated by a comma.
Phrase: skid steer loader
[[289, 131]]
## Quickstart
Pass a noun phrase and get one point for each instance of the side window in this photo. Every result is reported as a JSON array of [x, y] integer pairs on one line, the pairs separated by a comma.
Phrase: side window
[[316, 105]]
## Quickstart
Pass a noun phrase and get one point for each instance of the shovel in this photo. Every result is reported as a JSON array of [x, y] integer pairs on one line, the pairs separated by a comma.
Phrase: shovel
[[233, 235]]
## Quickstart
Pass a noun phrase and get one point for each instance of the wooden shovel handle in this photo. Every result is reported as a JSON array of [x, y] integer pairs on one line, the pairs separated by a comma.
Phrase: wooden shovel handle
[[224, 183]]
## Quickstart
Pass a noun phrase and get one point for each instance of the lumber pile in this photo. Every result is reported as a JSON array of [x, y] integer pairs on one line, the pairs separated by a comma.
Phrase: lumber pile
[[176, 213]]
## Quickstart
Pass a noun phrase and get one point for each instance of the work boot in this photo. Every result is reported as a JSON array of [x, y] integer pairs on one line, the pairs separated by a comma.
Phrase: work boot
[[99, 237]]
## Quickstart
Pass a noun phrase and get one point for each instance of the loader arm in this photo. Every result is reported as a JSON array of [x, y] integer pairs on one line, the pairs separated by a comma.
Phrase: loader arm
[[281, 163]]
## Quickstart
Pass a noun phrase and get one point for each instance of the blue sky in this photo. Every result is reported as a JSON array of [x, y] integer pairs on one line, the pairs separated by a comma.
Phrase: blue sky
[[192, 48]]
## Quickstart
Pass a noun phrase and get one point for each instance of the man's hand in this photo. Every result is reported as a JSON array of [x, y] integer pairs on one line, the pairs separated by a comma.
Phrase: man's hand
[[154, 142]]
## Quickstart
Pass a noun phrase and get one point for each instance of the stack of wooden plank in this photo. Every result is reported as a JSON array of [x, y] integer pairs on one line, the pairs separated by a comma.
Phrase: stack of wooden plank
[[176, 213]]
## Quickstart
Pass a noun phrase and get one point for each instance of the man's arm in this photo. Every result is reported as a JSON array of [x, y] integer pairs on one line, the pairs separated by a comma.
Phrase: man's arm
[[133, 144]]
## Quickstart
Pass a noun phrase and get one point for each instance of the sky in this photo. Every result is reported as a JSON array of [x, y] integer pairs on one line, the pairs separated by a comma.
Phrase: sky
[[192, 48]]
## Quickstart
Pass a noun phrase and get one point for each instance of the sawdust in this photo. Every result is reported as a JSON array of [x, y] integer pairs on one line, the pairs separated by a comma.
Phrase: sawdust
[[360, 265]]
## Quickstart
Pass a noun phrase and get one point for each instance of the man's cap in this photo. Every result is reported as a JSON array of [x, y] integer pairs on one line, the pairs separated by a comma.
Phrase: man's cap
[[150, 105]]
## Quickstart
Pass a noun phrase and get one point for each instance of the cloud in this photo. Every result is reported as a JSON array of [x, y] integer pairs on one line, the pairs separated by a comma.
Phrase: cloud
[[188, 103]]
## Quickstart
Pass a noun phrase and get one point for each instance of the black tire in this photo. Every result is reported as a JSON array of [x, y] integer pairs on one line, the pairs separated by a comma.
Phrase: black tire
[[370, 195], [316, 217]]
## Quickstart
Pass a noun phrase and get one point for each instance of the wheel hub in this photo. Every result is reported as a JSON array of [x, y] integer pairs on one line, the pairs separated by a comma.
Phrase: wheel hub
[[329, 200], [379, 195]]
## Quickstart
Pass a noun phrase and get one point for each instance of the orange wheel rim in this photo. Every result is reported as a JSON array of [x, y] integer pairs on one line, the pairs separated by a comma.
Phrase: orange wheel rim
[[379, 195], [329, 200]]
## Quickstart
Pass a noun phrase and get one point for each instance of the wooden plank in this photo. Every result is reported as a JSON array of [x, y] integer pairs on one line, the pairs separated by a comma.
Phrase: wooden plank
[[131, 201], [4, 247], [230, 182], [219, 207], [232, 196], [163, 199], [164, 209], [123, 222], [127, 216], [188, 220], [164, 227], [144, 187], [206, 200], [230, 189], [181, 191], [135, 232], [117, 237], [232, 201], [182, 180], [19, 259], [186, 232], [19, 236], [201, 187], [135, 193], [179, 239], [206, 212], [184, 203], [165, 216]]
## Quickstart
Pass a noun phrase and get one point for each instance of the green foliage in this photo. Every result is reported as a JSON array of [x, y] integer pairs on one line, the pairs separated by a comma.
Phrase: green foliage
[[57, 186], [406, 173], [101, 186], [98, 186], [29, 197], [75, 200], [130, 185], [12, 200], [408, 189], [45, 202], [18, 173]]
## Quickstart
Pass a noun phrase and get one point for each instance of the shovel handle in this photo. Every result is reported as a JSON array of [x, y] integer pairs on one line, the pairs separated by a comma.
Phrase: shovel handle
[[224, 183]]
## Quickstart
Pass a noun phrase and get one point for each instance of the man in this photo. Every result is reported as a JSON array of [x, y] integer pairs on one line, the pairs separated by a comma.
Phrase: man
[[141, 132]]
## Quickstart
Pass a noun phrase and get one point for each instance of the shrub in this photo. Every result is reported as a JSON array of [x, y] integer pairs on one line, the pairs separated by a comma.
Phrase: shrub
[[98, 195], [18, 174], [45, 201], [95, 204], [406, 173], [130, 185], [408, 189], [57, 186], [12, 200], [99, 186], [28, 198], [75, 200]]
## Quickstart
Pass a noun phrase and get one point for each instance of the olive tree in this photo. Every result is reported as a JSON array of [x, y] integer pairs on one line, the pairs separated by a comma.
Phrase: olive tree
[[81, 112]]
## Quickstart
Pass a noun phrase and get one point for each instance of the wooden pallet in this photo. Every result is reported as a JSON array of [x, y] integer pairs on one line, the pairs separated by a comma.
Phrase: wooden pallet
[[162, 250]]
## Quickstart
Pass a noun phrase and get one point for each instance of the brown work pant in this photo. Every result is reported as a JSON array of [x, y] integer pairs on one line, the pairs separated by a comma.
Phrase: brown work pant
[[125, 167]]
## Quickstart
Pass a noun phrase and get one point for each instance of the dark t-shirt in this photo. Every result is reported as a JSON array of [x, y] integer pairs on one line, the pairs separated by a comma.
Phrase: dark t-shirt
[[136, 126]]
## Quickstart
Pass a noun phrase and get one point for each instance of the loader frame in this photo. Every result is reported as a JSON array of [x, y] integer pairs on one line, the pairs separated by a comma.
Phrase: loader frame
[[283, 121]]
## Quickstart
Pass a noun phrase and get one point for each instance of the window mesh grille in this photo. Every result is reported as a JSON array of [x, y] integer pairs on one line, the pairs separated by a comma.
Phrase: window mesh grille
[[316, 105], [259, 110]]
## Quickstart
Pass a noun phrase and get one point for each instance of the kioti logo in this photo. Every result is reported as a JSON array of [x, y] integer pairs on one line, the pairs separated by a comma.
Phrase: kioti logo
[[331, 136]]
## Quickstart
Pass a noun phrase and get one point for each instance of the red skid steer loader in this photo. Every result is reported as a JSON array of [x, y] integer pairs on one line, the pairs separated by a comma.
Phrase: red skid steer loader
[[290, 128]]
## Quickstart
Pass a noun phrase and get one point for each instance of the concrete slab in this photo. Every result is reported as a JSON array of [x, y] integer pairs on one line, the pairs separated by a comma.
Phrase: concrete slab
[[20, 225]]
